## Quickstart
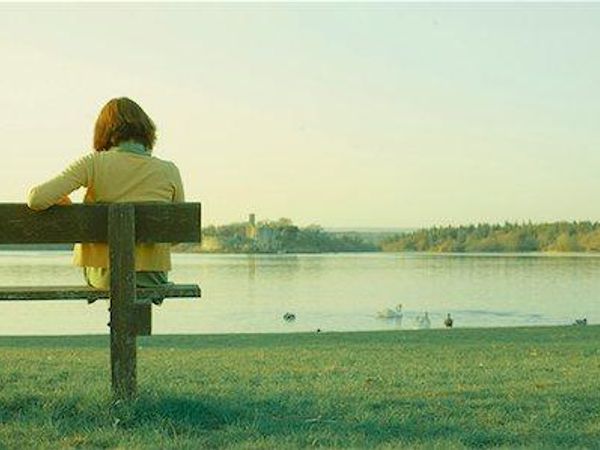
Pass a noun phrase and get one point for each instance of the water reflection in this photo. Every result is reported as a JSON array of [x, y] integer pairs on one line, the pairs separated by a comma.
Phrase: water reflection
[[251, 267]]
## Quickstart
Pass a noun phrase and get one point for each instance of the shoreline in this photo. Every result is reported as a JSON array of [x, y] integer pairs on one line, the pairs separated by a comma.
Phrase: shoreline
[[304, 334], [25, 251]]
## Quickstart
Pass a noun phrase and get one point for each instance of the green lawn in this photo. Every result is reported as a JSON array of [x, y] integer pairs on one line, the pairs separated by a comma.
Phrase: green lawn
[[509, 388]]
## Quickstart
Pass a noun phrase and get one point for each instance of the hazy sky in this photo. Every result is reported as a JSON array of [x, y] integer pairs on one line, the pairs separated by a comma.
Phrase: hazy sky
[[339, 114]]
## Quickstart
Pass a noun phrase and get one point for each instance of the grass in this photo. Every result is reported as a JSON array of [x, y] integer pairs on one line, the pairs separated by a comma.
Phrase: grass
[[477, 388]]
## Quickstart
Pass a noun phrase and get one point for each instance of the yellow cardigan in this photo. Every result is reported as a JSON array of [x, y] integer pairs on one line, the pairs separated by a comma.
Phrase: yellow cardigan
[[117, 175]]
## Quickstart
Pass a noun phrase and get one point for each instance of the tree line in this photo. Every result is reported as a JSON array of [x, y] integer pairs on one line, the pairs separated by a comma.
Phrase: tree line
[[279, 236], [508, 237]]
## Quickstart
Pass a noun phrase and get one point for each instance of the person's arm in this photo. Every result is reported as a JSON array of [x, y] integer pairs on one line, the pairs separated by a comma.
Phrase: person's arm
[[56, 190], [178, 193]]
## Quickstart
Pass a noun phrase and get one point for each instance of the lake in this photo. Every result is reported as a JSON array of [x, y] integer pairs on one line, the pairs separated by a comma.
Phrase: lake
[[329, 292]]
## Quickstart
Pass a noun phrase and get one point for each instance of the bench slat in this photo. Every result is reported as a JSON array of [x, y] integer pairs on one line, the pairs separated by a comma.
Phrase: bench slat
[[154, 222], [144, 295]]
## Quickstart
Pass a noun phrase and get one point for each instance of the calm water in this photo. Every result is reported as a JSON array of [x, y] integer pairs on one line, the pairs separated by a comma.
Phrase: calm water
[[329, 292]]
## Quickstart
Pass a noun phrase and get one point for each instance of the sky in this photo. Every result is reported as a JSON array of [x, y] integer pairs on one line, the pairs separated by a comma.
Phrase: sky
[[344, 115]]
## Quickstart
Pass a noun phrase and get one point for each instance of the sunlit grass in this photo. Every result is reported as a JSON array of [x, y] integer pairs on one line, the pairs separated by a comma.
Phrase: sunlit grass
[[525, 387]]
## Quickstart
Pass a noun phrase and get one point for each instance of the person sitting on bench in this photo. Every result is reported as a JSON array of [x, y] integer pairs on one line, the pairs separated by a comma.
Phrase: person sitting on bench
[[120, 169]]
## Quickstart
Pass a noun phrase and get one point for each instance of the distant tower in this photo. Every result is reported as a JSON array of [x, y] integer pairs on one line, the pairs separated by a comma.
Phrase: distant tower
[[251, 227]]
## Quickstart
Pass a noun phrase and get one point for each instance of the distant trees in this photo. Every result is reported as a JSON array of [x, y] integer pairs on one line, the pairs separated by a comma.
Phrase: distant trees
[[279, 236], [509, 237], [282, 236]]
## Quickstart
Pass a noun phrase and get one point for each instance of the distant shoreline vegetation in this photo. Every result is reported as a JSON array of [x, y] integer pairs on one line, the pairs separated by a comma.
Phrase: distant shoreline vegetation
[[509, 237], [280, 236]]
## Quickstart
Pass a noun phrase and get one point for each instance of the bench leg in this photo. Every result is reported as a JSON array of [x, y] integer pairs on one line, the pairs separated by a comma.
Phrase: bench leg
[[121, 244], [143, 320], [122, 361]]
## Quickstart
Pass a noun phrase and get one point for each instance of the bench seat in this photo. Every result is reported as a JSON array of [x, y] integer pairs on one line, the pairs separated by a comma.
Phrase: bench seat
[[144, 295]]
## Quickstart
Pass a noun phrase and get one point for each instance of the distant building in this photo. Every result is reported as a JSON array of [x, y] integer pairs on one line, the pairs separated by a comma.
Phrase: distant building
[[210, 244], [251, 230]]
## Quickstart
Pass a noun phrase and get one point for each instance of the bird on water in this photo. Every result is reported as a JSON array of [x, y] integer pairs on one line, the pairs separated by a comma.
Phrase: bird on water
[[389, 313], [423, 321], [449, 321]]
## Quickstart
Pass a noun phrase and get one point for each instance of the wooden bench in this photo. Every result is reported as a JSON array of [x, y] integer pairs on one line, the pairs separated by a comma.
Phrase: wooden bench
[[121, 226]]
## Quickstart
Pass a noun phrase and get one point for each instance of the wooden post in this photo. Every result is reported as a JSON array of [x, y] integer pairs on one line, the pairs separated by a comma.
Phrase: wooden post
[[121, 242], [143, 320]]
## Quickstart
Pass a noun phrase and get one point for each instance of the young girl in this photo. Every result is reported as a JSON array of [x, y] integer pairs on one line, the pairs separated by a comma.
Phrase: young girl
[[121, 169]]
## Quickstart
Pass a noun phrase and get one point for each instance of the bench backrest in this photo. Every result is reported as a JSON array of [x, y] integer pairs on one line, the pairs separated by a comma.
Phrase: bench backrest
[[154, 222]]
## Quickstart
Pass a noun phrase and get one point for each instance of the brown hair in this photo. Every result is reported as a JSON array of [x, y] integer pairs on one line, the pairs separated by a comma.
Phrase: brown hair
[[122, 119]]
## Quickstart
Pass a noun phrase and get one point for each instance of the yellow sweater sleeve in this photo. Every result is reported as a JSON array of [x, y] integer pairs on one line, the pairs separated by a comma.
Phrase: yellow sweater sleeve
[[73, 177], [178, 194]]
